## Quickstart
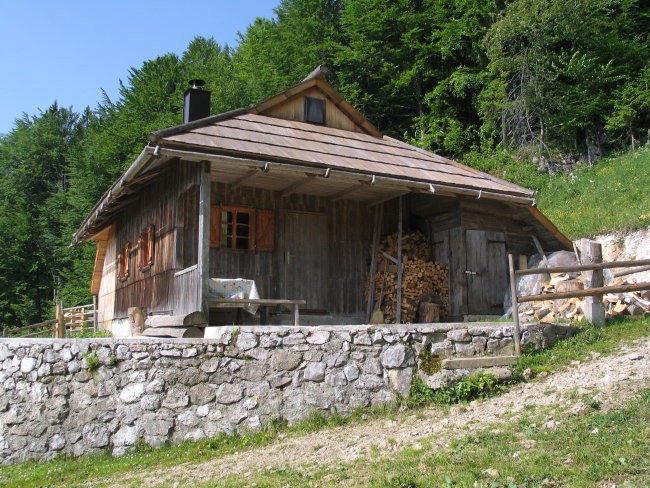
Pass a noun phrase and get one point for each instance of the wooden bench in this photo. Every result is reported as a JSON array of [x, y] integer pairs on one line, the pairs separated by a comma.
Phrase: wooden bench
[[263, 303]]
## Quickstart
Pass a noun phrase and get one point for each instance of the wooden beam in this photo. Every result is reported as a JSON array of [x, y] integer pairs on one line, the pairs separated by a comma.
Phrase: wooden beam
[[373, 263], [515, 304], [187, 320], [244, 178], [585, 293], [294, 187], [400, 271], [386, 198], [584, 267], [348, 191]]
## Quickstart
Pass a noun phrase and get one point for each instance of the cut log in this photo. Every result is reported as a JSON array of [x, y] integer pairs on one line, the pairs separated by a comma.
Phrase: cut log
[[428, 313], [196, 319], [175, 332]]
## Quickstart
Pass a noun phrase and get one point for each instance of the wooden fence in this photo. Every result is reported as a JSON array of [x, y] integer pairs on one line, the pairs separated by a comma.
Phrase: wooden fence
[[596, 292], [68, 321]]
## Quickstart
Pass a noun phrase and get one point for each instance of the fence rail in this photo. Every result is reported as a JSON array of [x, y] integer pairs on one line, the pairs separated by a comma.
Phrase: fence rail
[[596, 292], [68, 320]]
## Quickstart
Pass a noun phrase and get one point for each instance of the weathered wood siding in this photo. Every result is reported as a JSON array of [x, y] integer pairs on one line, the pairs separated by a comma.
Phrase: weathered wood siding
[[158, 288], [348, 244], [293, 109], [106, 293]]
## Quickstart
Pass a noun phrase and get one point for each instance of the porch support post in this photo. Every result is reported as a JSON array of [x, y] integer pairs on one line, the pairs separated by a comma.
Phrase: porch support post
[[204, 237], [379, 213], [400, 271], [515, 304]]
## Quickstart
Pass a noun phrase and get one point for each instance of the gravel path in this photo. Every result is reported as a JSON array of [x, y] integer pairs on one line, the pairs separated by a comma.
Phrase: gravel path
[[609, 380]]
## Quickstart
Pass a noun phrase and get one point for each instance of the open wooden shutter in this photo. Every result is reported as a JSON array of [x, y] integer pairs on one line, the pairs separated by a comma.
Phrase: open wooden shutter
[[215, 225], [265, 230]]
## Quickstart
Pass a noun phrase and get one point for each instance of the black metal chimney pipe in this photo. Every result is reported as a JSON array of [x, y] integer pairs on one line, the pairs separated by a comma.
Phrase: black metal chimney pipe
[[196, 102]]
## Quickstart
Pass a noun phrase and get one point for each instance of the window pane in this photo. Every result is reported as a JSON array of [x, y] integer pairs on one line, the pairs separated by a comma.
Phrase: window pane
[[229, 242], [242, 243], [242, 231], [243, 217]]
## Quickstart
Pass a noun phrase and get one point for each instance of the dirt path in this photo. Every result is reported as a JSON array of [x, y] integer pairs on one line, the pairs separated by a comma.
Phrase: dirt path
[[609, 380]]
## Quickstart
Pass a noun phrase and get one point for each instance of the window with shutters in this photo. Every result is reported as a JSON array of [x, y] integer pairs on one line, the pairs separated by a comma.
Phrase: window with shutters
[[242, 228], [146, 249], [123, 262]]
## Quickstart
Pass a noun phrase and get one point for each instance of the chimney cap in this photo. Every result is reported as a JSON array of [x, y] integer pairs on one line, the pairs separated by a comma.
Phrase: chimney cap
[[196, 83]]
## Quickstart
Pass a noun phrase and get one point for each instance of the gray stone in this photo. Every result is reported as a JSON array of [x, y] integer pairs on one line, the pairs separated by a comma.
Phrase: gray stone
[[190, 352], [203, 410], [479, 343], [156, 426], [336, 379], [250, 403], [126, 436], [155, 386], [150, 402], [370, 382], [176, 397], [210, 366], [188, 419], [201, 394], [252, 424], [27, 365], [284, 360], [132, 392], [122, 352], [315, 372], [229, 393], [95, 435], [400, 380], [397, 356], [362, 339], [294, 339], [57, 442], [351, 372], [246, 341], [318, 337], [459, 335]]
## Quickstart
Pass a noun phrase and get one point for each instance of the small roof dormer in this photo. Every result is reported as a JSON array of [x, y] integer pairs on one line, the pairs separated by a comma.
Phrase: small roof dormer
[[314, 100]]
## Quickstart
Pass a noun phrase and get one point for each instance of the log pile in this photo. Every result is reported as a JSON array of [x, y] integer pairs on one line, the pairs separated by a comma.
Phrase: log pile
[[425, 285], [631, 303]]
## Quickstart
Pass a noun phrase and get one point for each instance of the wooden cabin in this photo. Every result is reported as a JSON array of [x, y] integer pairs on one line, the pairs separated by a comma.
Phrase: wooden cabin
[[284, 194]]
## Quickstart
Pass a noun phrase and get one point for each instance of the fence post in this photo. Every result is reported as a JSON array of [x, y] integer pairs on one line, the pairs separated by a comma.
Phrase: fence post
[[59, 331], [515, 305], [592, 253], [95, 325]]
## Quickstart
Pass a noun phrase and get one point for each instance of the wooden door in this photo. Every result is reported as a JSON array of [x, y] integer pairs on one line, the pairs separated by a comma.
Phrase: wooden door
[[486, 272], [306, 259]]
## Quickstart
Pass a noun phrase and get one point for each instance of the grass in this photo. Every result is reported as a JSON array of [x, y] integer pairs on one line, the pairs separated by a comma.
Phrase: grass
[[608, 196], [64, 472]]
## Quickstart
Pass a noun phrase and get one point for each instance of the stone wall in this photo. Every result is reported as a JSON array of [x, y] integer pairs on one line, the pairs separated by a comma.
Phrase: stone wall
[[84, 396]]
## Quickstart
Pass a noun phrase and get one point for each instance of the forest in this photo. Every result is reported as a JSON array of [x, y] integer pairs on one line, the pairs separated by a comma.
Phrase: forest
[[524, 81]]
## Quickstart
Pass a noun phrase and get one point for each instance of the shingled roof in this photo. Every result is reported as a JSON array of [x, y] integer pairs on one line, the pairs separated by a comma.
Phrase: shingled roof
[[244, 141]]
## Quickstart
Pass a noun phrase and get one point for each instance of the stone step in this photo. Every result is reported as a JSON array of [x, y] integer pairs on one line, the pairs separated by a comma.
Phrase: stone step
[[478, 362]]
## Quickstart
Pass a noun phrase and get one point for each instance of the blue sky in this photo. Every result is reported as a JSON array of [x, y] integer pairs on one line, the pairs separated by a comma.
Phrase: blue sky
[[69, 51]]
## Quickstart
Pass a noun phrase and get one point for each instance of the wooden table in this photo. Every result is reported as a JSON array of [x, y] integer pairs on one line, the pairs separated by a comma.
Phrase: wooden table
[[263, 303]]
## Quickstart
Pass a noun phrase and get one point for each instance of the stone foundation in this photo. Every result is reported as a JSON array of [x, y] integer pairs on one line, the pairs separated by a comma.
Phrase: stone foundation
[[83, 396]]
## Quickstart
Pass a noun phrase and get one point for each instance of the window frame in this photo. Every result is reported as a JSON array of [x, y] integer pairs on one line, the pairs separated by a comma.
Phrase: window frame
[[123, 262], [317, 102], [146, 248], [261, 229]]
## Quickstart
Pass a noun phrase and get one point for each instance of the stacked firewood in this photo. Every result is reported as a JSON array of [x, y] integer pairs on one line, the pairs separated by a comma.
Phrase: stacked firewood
[[631, 303], [424, 282]]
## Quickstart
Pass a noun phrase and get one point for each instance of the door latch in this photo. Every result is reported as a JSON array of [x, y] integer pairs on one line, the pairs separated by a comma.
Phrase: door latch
[[475, 273]]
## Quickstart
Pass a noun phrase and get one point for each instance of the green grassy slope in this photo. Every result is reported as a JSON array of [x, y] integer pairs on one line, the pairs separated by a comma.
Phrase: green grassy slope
[[613, 194]]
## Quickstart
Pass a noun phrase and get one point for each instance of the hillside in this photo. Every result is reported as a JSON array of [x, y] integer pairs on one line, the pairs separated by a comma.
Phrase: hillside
[[611, 195]]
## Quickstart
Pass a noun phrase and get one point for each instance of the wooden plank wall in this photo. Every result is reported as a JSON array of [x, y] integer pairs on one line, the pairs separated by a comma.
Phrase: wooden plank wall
[[158, 289], [349, 229], [293, 109], [106, 294]]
